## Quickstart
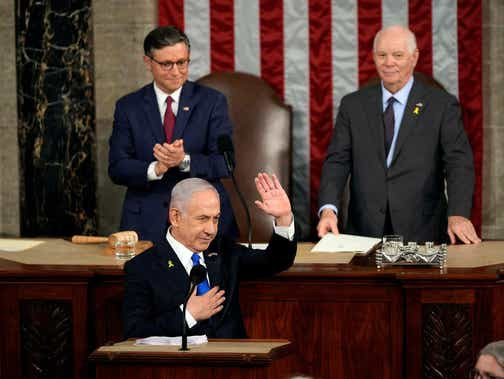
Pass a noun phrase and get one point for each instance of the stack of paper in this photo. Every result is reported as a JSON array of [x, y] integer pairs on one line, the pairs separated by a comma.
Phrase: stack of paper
[[191, 340], [331, 243]]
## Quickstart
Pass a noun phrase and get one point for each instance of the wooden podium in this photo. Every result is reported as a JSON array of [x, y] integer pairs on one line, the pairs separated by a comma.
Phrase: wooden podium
[[242, 359]]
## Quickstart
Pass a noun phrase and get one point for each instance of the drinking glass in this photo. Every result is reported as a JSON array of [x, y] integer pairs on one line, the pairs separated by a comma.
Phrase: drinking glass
[[391, 247], [124, 248]]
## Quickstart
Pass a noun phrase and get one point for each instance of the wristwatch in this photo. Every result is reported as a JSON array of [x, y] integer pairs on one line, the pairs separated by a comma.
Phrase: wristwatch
[[185, 165]]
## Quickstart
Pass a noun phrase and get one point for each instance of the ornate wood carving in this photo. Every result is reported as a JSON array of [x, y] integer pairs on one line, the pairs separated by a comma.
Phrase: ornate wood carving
[[447, 341], [46, 339]]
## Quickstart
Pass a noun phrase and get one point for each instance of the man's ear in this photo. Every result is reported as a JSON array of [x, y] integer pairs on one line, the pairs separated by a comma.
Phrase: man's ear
[[174, 216], [147, 63]]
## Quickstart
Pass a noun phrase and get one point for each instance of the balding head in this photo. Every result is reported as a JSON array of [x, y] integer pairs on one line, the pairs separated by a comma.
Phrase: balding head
[[406, 33], [395, 55]]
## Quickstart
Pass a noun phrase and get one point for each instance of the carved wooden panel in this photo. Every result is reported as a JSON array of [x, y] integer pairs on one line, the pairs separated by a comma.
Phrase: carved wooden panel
[[446, 341], [46, 339]]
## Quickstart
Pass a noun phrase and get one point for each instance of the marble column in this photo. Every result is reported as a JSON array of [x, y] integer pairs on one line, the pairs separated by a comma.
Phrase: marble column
[[9, 152], [493, 119], [56, 117], [119, 31]]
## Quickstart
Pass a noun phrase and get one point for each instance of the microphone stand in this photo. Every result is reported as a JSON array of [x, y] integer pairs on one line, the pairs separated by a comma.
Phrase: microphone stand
[[196, 276], [184, 347], [244, 204]]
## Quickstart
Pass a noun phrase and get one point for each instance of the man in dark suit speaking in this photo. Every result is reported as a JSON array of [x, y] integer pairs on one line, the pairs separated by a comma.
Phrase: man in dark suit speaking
[[399, 141], [165, 132], [157, 280]]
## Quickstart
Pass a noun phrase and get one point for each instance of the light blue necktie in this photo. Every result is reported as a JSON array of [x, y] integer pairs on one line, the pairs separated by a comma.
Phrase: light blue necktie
[[203, 287]]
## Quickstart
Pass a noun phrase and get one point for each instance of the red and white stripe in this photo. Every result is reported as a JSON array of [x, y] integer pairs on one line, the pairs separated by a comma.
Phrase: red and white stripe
[[314, 52]]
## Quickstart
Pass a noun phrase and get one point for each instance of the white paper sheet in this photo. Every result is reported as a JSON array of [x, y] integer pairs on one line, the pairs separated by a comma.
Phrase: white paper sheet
[[12, 244], [331, 243], [155, 340]]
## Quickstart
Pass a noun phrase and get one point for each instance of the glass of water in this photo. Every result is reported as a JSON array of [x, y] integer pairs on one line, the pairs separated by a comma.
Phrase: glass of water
[[124, 248], [391, 247]]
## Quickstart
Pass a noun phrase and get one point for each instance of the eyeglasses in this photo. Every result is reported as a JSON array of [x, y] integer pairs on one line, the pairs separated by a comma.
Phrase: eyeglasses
[[168, 65], [477, 374]]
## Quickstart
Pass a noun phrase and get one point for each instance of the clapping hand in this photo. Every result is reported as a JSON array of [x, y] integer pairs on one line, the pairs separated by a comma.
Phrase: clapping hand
[[274, 201], [169, 155]]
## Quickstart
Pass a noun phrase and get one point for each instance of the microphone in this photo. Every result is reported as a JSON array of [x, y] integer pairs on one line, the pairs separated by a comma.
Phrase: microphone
[[196, 276], [226, 149]]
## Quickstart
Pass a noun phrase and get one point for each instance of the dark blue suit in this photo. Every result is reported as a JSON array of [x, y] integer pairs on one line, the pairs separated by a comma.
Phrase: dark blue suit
[[157, 283], [202, 116]]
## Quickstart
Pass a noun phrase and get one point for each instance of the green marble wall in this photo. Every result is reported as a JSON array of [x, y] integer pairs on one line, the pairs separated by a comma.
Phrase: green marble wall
[[56, 117]]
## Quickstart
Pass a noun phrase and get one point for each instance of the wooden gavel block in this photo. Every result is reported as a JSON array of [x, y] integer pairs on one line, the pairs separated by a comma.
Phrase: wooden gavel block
[[111, 240]]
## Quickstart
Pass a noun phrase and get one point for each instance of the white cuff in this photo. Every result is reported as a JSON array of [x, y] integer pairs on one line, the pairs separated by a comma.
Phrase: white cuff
[[151, 172], [328, 206], [285, 231], [188, 317]]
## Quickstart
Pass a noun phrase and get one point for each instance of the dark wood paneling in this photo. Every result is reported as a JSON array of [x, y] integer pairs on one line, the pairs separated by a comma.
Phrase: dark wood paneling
[[351, 332], [46, 339], [349, 321]]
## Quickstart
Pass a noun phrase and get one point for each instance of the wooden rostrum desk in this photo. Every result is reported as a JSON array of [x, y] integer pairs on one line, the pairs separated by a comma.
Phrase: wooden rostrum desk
[[59, 302]]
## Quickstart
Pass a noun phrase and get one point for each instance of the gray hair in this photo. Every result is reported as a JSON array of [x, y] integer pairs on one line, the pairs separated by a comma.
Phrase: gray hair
[[496, 350], [410, 37], [164, 36], [185, 189]]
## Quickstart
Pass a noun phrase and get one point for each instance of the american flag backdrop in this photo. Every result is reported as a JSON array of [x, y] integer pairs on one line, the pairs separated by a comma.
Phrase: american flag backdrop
[[315, 51]]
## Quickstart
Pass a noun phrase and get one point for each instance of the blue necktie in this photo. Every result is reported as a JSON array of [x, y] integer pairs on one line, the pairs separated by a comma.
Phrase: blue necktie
[[203, 287]]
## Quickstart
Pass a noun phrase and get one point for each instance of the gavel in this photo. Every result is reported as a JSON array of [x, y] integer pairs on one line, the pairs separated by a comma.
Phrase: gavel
[[111, 239]]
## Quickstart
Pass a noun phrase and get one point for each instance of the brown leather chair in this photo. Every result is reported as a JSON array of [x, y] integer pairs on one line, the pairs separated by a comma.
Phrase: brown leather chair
[[262, 142]]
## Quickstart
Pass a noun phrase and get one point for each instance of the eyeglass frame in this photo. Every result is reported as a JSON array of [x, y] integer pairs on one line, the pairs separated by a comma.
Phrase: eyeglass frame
[[475, 373], [182, 64]]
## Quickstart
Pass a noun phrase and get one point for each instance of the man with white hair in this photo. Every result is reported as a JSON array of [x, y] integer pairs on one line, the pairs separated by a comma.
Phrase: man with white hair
[[157, 281], [490, 363], [399, 141]]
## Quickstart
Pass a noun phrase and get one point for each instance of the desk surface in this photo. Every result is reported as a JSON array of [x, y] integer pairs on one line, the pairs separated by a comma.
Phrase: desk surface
[[247, 350], [59, 253]]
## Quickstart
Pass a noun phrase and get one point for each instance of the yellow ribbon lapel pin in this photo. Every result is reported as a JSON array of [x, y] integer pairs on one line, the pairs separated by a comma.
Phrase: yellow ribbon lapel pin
[[418, 108], [170, 264]]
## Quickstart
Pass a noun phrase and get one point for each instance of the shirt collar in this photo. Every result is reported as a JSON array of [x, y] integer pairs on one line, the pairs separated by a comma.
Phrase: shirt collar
[[401, 96], [183, 253], [161, 95]]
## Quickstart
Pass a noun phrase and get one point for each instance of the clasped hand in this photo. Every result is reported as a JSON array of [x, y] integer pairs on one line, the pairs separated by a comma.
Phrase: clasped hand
[[168, 155]]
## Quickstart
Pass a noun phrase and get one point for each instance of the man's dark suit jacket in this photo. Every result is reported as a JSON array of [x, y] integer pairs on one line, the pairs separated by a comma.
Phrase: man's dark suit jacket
[[201, 118], [431, 147], [157, 283]]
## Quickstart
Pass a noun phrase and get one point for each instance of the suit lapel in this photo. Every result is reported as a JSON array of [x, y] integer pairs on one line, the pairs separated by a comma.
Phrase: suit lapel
[[213, 263], [374, 111], [187, 103], [151, 110], [410, 118], [171, 265]]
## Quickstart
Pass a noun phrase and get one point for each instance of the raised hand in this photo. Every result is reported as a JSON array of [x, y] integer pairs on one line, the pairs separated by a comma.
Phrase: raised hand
[[274, 201]]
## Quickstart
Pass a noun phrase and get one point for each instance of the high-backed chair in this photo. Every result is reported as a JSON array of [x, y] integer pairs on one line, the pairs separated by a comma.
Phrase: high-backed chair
[[262, 142]]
